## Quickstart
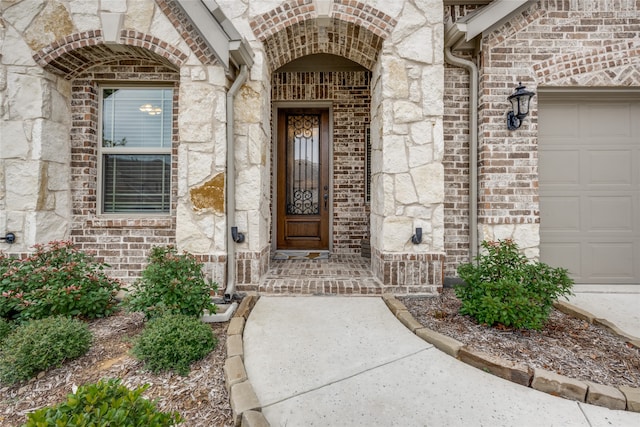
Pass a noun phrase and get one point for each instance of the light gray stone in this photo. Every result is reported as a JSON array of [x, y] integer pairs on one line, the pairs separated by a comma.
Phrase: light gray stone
[[433, 91], [408, 320], [632, 395], [418, 46], [395, 154], [235, 346], [113, 5], [236, 326], [394, 304], [411, 21], [405, 192], [442, 342], [559, 385], [607, 396], [429, 181], [27, 96], [502, 368], [254, 419], [14, 142], [396, 84], [21, 14], [234, 372], [406, 112], [51, 141], [242, 398], [139, 15], [22, 180]]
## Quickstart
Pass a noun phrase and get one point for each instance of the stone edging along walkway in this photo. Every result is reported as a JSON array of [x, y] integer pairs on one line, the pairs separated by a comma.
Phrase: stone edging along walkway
[[246, 407], [620, 398]]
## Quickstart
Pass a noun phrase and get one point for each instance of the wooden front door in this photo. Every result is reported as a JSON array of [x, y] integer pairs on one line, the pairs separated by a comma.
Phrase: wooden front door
[[303, 179]]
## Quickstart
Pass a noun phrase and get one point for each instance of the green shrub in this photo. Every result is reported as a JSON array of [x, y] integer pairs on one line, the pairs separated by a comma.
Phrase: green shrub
[[173, 342], [5, 329], [503, 287], [57, 279], [107, 403], [41, 344], [171, 284]]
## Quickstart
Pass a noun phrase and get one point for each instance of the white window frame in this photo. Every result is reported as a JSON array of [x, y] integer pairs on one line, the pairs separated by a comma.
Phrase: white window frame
[[137, 150]]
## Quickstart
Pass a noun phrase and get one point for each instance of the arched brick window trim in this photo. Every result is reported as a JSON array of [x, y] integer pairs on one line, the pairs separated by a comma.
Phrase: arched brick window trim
[[77, 52]]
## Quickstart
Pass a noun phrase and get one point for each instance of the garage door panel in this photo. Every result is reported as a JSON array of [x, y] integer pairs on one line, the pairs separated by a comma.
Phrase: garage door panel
[[560, 167], [589, 153], [566, 124], [560, 213], [610, 214], [613, 167], [606, 120], [565, 255], [610, 261]]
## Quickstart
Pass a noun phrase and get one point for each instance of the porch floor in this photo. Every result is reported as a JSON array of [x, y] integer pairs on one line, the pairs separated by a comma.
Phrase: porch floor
[[336, 275]]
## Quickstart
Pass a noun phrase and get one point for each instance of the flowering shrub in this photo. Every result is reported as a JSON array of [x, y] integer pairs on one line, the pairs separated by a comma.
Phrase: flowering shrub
[[57, 279], [171, 283], [504, 287]]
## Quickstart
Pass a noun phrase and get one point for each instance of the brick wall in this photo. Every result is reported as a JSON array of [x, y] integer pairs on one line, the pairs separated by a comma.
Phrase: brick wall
[[349, 92], [121, 241], [456, 167], [552, 43]]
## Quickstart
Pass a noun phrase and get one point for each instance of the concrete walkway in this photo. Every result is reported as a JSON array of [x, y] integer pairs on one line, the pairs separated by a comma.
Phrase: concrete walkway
[[346, 361], [619, 304]]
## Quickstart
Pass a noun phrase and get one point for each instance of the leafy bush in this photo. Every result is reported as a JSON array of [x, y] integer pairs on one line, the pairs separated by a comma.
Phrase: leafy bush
[[173, 342], [5, 329], [503, 287], [57, 279], [107, 403], [171, 284], [40, 344]]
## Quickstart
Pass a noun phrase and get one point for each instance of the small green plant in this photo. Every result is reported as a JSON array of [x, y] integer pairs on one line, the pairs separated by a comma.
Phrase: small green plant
[[5, 329], [171, 283], [40, 344], [173, 342], [504, 287], [57, 279], [107, 403]]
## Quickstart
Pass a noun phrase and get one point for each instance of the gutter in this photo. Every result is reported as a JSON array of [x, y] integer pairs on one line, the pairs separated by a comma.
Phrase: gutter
[[473, 139], [460, 35], [230, 189], [232, 51]]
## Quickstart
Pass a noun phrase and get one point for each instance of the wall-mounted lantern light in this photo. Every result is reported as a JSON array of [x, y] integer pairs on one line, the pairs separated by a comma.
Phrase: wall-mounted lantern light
[[519, 100]]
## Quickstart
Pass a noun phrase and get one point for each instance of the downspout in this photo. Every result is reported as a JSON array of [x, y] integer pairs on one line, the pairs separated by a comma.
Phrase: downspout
[[240, 79], [473, 141]]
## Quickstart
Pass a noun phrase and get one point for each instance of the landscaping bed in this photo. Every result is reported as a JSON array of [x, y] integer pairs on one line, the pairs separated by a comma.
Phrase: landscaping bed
[[200, 397], [565, 345]]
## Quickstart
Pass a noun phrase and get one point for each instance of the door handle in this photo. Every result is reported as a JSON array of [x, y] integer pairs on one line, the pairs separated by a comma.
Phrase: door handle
[[326, 200]]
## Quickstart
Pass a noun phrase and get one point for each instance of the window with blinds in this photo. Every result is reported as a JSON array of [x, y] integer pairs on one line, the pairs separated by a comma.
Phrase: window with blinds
[[135, 153]]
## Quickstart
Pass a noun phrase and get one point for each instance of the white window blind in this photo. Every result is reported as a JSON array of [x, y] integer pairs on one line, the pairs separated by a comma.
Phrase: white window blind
[[136, 149]]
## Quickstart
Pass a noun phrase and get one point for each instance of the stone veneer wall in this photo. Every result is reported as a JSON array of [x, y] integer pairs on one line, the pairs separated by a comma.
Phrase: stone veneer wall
[[349, 93]]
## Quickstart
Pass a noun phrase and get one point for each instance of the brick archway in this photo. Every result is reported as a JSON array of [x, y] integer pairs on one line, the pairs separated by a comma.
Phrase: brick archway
[[77, 52], [354, 30]]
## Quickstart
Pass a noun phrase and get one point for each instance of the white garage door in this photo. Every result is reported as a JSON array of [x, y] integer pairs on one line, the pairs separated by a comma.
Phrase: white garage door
[[589, 165]]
